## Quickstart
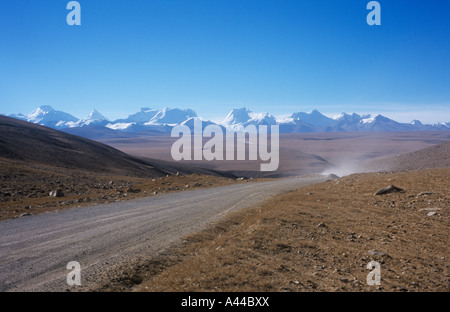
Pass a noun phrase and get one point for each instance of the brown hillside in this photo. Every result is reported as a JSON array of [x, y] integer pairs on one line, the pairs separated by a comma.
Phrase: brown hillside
[[436, 156], [34, 144]]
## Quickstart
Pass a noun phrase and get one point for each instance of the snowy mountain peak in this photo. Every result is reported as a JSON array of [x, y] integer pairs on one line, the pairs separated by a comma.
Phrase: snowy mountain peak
[[368, 119], [172, 116], [40, 111], [95, 115], [47, 116], [313, 117], [94, 118], [237, 116], [346, 116], [314, 112], [47, 108]]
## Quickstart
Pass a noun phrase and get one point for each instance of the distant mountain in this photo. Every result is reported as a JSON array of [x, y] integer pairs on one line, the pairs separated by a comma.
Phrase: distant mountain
[[314, 118], [159, 121], [144, 115], [171, 116], [150, 119], [191, 121], [93, 119], [49, 117], [314, 121], [240, 118]]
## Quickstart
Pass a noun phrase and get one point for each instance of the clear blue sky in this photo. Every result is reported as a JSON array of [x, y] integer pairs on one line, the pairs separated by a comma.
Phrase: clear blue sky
[[274, 56]]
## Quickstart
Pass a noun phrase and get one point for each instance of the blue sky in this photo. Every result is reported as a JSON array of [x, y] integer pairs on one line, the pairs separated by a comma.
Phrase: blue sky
[[214, 55]]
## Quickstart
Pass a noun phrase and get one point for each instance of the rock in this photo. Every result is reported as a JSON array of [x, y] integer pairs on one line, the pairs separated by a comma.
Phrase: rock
[[431, 213], [321, 225], [430, 209], [376, 253], [389, 189], [425, 193], [132, 190], [57, 193], [26, 214]]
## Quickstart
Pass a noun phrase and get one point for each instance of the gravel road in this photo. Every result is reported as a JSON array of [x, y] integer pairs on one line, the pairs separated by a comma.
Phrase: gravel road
[[35, 250]]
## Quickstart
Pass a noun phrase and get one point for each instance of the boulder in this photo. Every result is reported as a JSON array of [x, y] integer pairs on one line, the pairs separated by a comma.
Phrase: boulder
[[389, 189]]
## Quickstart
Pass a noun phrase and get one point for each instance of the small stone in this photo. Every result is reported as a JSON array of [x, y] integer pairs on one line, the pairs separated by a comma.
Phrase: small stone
[[425, 193], [57, 193], [25, 214], [376, 253], [431, 213], [132, 190]]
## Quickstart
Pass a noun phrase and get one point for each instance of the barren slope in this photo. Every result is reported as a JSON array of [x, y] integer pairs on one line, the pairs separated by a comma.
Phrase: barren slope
[[34, 144], [436, 156], [321, 238]]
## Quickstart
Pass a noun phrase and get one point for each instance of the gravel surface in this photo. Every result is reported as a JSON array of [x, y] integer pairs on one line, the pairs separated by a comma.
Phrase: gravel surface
[[35, 250]]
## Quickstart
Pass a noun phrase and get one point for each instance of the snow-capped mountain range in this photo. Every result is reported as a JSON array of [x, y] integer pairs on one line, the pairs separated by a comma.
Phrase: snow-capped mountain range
[[163, 120]]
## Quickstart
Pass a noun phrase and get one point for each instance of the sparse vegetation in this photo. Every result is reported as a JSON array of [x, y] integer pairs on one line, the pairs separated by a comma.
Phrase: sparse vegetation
[[320, 238]]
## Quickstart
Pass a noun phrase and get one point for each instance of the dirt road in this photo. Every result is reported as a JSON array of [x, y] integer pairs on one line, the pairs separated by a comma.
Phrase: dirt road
[[35, 250]]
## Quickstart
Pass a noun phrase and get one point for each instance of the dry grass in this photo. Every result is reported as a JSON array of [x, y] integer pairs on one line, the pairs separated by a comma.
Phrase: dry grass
[[26, 188], [320, 238]]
